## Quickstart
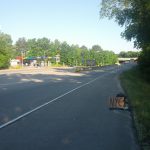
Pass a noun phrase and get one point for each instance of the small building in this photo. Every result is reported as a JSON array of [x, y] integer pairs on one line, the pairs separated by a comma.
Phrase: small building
[[15, 62]]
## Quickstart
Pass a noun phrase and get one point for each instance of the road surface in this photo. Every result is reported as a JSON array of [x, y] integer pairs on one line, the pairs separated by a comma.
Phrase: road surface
[[63, 111]]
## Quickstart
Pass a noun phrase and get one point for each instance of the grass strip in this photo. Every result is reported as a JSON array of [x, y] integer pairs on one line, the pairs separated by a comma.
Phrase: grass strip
[[138, 92]]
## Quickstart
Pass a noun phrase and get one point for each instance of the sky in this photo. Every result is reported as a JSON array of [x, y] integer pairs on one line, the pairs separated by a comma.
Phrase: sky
[[73, 21]]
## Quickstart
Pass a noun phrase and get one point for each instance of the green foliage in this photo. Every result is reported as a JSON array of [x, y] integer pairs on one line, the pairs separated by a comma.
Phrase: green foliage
[[4, 61], [21, 46], [96, 48], [44, 49], [69, 55], [144, 63], [42, 46], [5, 50], [139, 96], [135, 16], [129, 54], [32, 47]]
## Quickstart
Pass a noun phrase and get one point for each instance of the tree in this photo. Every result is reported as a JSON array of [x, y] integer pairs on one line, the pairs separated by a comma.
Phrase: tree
[[96, 48], [69, 55], [5, 50], [83, 47], [32, 48], [43, 46], [134, 15], [123, 54], [129, 54], [64, 56], [21, 46]]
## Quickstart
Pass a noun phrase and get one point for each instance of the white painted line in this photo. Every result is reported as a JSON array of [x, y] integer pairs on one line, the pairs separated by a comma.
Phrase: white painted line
[[37, 108]]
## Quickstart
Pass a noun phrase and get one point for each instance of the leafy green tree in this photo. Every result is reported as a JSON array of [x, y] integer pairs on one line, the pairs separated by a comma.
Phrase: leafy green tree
[[64, 55], [83, 47], [78, 56], [129, 54], [69, 55], [38, 47], [5, 50], [55, 48], [144, 61], [96, 48], [32, 48], [135, 16], [85, 55], [43, 46], [123, 54], [21, 47]]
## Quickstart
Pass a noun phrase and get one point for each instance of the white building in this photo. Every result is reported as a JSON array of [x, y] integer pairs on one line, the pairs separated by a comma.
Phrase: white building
[[14, 62]]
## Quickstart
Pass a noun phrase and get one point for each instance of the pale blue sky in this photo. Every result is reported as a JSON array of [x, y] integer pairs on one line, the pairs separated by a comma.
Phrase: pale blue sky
[[73, 21]]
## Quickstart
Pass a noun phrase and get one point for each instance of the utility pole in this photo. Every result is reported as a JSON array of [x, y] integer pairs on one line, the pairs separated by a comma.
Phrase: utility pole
[[22, 58]]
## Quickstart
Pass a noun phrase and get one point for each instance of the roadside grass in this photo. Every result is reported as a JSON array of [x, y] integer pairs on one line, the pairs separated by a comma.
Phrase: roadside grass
[[15, 67], [138, 92]]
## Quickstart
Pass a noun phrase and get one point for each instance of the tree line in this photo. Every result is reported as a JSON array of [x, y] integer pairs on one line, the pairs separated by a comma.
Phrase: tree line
[[46, 49], [129, 54]]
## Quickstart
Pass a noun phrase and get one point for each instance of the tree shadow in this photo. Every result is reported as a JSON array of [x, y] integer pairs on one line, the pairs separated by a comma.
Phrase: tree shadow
[[22, 92]]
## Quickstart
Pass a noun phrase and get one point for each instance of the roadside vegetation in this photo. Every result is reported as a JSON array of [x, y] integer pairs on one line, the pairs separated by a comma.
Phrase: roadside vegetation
[[129, 54], [43, 49], [134, 16], [5, 50], [138, 92]]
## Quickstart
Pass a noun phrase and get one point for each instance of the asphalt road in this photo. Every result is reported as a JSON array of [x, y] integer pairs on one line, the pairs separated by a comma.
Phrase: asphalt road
[[64, 112]]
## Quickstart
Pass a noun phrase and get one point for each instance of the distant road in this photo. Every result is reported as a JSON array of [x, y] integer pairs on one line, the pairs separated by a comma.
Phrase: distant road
[[63, 111]]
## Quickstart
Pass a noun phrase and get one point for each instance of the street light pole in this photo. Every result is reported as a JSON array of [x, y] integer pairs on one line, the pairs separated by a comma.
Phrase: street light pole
[[22, 58]]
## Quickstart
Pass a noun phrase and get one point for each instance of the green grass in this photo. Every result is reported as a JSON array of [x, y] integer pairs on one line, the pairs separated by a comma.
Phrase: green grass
[[15, 67], [138, 92]]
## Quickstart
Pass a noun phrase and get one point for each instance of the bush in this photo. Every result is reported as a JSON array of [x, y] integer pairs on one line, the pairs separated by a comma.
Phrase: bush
[[4, 61], [5, 50], [144, 63]]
